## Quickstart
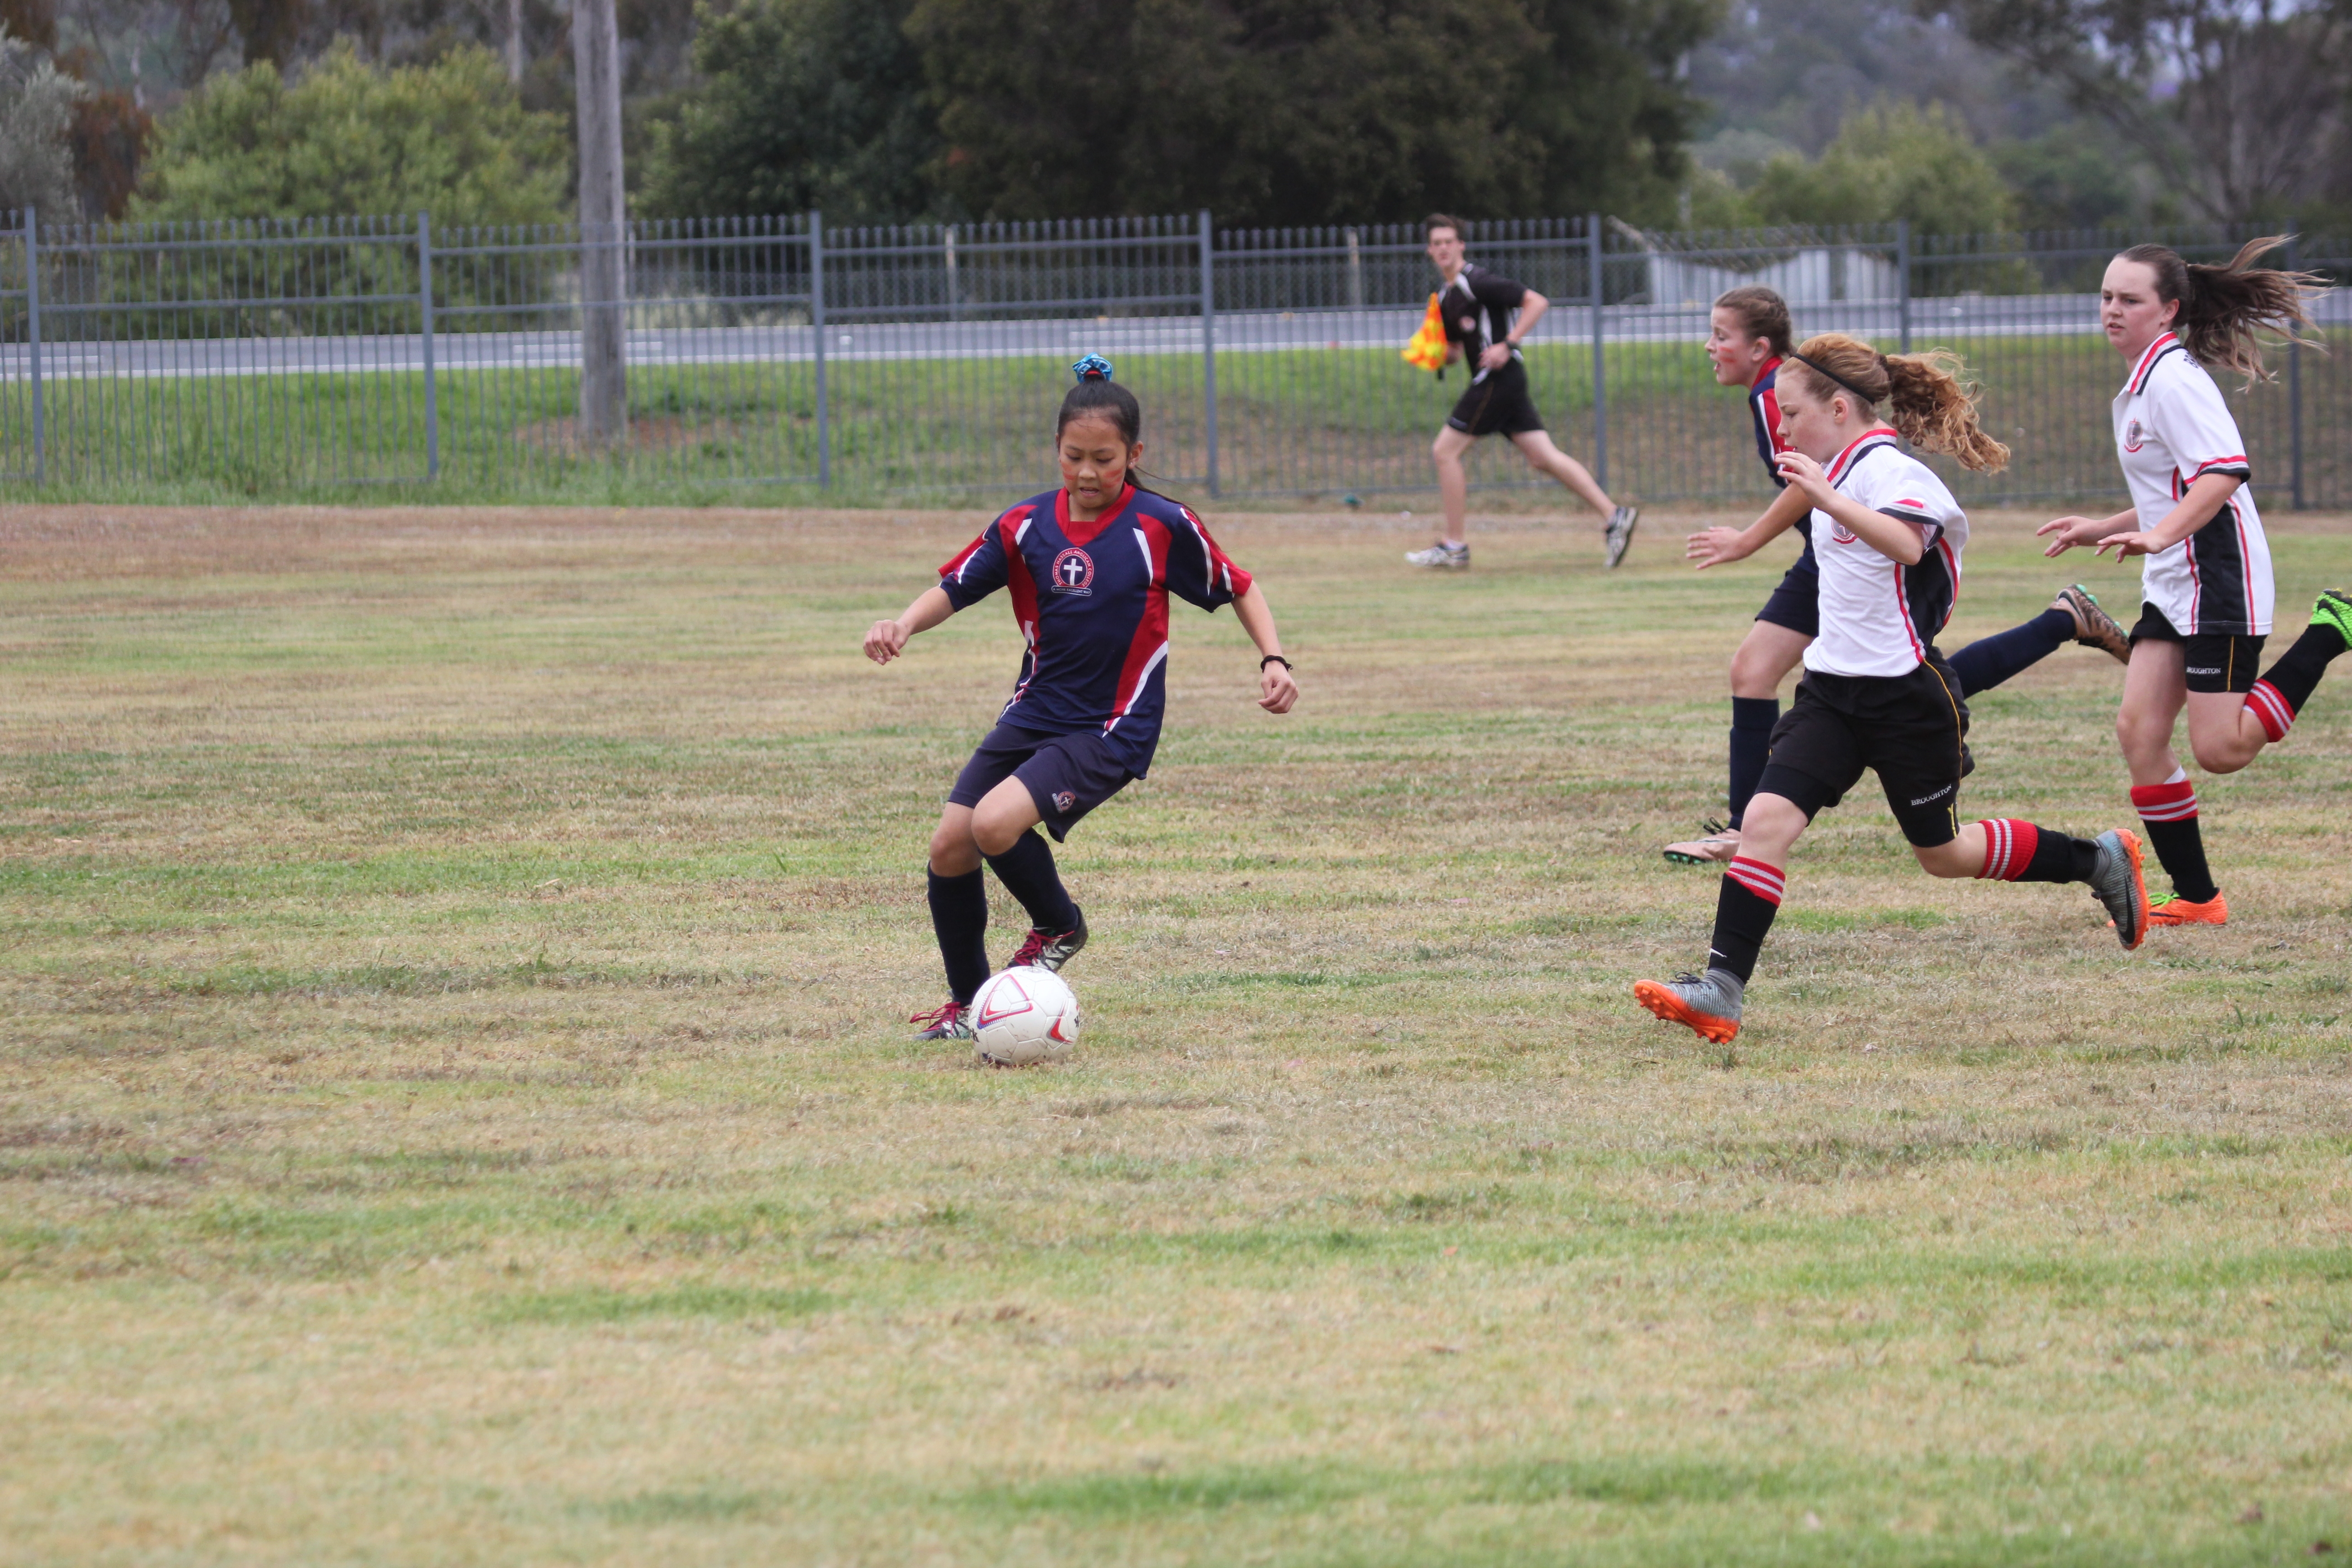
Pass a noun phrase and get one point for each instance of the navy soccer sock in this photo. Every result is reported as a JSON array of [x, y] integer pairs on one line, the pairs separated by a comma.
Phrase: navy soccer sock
[[1027, 872], [960, 920], [1987, 662], [1744, 908], [1752, 719]]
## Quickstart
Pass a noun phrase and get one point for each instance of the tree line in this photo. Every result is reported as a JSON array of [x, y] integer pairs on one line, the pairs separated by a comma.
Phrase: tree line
[[1267, 112]]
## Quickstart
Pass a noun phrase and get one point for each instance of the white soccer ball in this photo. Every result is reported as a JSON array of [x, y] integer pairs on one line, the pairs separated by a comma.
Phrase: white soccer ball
[[1024, 1016]]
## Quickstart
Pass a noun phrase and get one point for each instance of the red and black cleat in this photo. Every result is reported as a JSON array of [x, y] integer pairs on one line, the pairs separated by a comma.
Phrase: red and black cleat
[[1051, 950], [948, 1021]]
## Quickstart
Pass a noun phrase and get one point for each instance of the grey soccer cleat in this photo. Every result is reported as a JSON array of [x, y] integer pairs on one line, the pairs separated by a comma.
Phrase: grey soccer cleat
[[1441, 557], [949, 1021], [1050, 949], [1618, 532], [2120, 887], [1708, 1004]]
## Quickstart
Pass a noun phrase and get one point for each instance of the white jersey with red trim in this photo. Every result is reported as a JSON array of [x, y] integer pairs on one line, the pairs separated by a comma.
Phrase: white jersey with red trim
[[1878, 616], [2172, 428]]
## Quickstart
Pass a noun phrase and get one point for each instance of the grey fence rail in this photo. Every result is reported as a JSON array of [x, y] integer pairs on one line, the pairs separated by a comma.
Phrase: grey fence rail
[[271, 357]]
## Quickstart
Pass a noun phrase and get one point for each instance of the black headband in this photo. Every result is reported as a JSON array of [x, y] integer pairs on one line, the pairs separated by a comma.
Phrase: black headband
[[1815, 364]]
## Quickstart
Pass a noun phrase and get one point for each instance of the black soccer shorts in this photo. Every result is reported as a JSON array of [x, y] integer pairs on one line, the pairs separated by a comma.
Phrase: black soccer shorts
[[1910, 729], [1496, 404], [2217, 661]]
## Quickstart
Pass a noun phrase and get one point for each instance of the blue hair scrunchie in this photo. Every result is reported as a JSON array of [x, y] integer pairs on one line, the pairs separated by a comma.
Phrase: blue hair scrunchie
[[1094, 367]]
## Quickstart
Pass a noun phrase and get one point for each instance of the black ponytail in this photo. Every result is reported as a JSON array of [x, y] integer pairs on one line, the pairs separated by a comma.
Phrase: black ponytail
[[1097, 395]]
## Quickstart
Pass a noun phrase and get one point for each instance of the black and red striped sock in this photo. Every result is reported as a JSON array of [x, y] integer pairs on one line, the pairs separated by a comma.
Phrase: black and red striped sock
[[2283, 691], [2018, 851], [2168, 812], [1744, 908]]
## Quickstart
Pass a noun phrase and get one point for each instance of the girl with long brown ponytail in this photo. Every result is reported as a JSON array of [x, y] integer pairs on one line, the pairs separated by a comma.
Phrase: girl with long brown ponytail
[[2206, 587], [1877, 696]]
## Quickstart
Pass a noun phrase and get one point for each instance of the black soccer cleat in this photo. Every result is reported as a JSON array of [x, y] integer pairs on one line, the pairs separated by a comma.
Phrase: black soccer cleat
[[949, 1021], [1050, 951]]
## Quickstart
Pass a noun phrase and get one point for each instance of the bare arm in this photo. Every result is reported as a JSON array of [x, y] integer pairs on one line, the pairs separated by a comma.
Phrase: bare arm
[[2073, 530], [2122, 534], [1719, 546], [1277, 692], [885, 640], [1895, 538]]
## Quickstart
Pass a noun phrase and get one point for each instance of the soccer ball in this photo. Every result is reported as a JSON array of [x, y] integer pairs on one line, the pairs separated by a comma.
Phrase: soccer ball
[[1024, 1016]]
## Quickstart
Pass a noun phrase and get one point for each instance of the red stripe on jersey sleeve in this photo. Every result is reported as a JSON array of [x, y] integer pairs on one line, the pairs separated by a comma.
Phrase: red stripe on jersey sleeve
[[1222, 573]]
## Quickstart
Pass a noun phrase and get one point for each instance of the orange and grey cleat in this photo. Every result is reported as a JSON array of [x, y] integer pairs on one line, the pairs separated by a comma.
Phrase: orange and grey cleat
[[1708, 1004], [2177, 910], [2120, 885]]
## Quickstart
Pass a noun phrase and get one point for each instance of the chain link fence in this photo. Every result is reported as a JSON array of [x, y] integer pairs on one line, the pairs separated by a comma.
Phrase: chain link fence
[[267, 358]]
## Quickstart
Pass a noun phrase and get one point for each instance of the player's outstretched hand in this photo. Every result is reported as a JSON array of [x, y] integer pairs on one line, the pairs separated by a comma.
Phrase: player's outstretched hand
[[2127, 544], [1714, 546], [1277, 692], [2065, 532], [885, 640], [1805, 474]]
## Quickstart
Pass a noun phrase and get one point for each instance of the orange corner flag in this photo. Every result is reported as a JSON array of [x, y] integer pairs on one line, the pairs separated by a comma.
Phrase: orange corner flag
[[1427, 349]]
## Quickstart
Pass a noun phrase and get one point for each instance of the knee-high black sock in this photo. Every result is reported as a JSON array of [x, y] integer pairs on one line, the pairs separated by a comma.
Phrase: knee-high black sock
[[1752, 719], [2018, 851], [1027, 872], [1987, 662], [960, 920], [1744, 908], [2293, 679], [2167, 815]]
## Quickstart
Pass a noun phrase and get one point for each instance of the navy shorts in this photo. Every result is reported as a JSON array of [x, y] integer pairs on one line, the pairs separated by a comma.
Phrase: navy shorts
[[1066, 776], [2216, 661], [1796, 604]]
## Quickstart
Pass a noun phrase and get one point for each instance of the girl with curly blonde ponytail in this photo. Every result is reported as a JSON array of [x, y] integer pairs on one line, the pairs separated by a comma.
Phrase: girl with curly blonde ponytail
[[1877, 696]]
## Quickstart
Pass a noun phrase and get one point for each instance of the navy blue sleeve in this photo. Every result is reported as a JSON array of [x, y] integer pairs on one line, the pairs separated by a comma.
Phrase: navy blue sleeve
[[979, 569]]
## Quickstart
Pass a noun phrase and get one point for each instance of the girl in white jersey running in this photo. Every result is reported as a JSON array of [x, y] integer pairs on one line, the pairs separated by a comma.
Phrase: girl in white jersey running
[[1877, 696], [2206, 587]]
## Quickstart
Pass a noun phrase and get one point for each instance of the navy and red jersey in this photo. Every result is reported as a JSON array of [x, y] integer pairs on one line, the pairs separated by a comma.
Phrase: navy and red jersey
[[1764, 407], [1091, 599]]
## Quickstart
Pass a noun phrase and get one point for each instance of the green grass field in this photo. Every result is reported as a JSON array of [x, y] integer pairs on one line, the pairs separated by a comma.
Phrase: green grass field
[[1306, 422], [454, 1107]]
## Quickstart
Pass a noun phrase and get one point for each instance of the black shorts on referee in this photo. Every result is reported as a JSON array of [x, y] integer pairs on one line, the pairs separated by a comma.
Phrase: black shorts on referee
[[1910, 729], [1496, 404]]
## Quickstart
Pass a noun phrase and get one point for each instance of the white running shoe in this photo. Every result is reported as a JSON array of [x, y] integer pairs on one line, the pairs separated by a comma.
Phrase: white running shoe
[[1441, 557], [1618, 532]]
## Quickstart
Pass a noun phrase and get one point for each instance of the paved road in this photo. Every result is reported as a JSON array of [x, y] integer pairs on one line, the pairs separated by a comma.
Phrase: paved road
[[2042, 315]]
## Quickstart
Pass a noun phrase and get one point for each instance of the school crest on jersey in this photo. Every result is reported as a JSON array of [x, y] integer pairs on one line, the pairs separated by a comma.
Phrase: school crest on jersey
[[1073, 572], [1065, 800], [1842, 534], [2135, 436]]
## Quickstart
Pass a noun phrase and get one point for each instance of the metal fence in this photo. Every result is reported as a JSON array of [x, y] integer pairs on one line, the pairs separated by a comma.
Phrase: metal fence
[[266, 357]]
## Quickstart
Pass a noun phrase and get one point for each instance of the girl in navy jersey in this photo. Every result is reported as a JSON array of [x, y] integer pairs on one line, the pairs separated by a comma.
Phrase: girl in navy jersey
[[1089, 568], [1877, 696], [2206, 585], [1747, 338]]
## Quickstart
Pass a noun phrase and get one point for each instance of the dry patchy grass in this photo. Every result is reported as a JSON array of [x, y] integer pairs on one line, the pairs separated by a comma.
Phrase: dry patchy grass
[[453, 1106]]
